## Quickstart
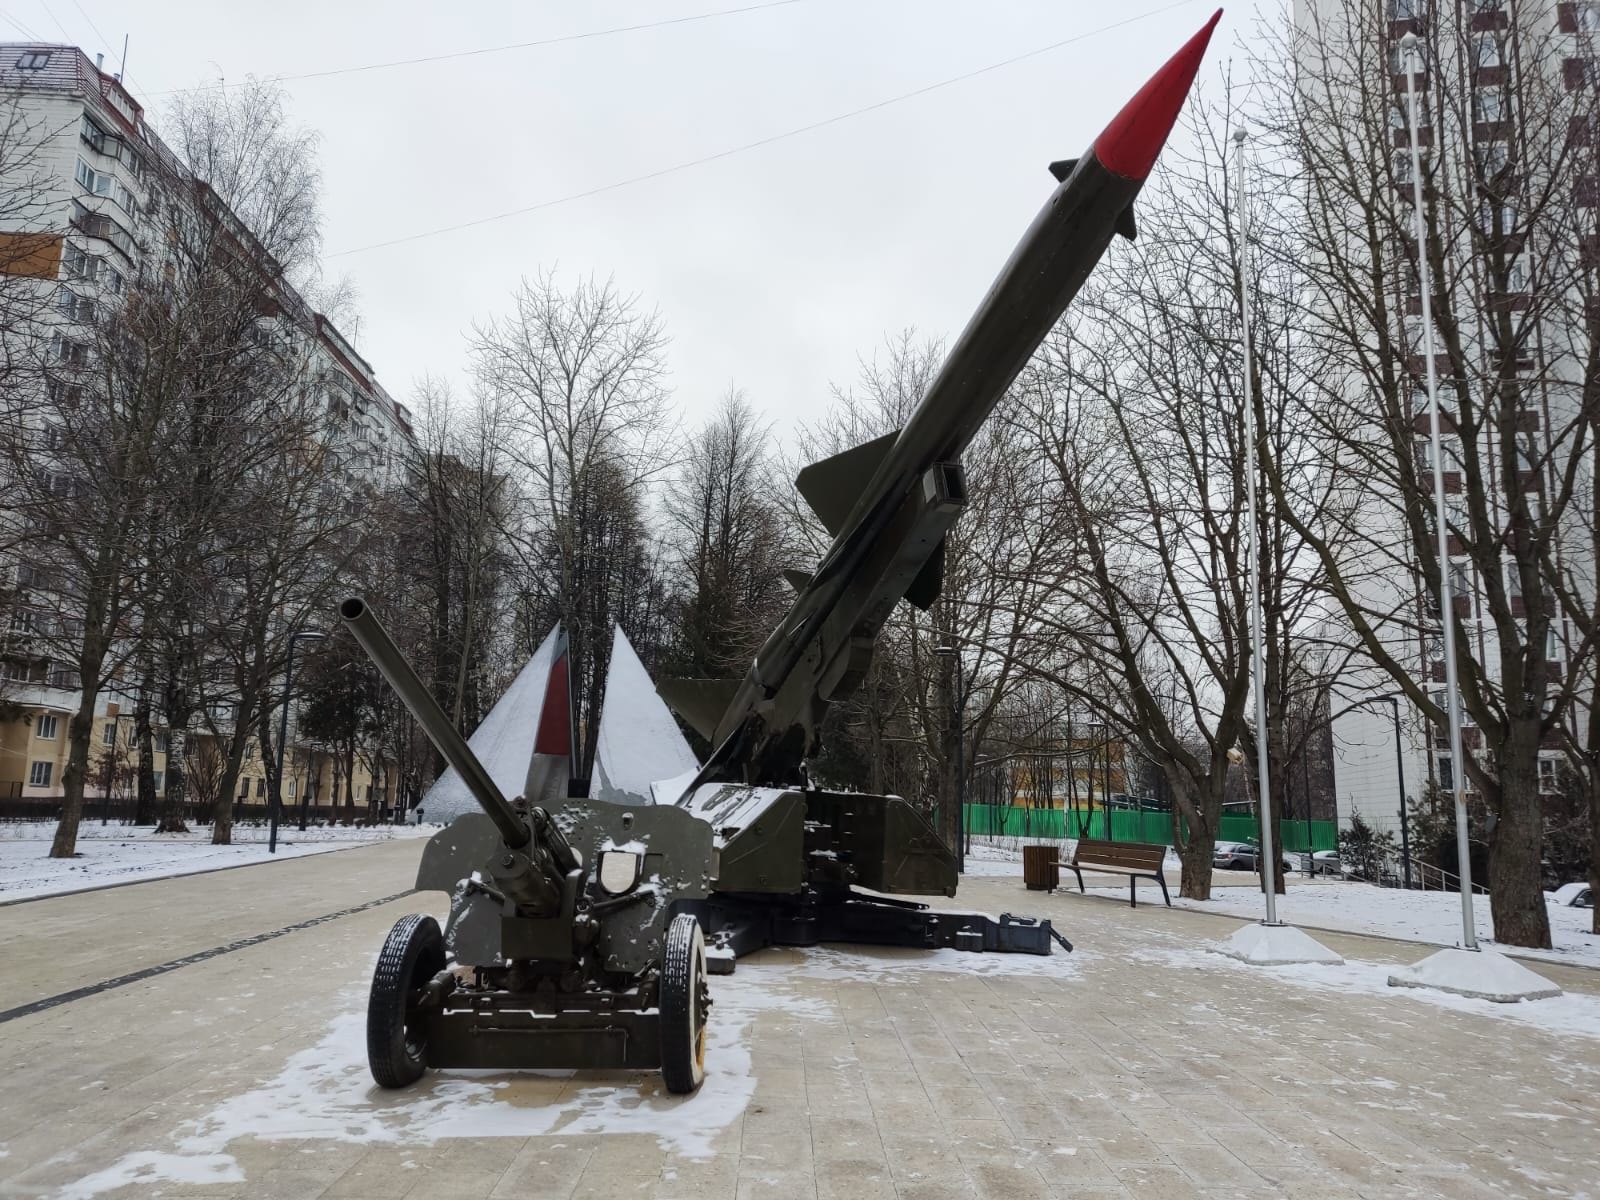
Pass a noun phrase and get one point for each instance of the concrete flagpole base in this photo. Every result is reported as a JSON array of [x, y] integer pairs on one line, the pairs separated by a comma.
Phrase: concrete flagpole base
[[1482, 974], [1264, 945]]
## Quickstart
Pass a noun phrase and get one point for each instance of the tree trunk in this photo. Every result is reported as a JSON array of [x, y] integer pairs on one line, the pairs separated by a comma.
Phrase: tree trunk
[[178, 713], [222, 813], [1593, 778], [144, 810], [1516, 847], [1195, 837], [79, 731]]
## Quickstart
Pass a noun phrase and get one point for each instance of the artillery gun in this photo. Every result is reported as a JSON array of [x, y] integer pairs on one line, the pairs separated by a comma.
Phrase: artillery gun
[[564, 949]]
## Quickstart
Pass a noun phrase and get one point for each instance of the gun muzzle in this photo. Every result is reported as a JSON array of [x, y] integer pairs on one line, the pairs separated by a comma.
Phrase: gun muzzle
[[386, 656]]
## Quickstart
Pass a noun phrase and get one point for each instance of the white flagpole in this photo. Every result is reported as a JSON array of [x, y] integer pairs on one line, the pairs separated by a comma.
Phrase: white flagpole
[[1269, 853], [1458, 770]]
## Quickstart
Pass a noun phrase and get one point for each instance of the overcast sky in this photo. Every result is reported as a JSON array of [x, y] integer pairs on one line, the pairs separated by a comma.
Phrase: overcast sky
[[773, 268]]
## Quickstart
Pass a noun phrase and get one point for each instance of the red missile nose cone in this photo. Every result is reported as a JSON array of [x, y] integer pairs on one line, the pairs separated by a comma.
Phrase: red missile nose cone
[[1129, 145]]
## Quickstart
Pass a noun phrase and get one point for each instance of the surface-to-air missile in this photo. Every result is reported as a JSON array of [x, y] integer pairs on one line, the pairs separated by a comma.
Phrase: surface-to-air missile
[[580, 908]]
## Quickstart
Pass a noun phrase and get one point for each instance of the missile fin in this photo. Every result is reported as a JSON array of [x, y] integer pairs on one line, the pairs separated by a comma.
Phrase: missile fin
[[832, 487], [1125, 225], [797, 579], [701, 702], [925, 588], [1063, 168]]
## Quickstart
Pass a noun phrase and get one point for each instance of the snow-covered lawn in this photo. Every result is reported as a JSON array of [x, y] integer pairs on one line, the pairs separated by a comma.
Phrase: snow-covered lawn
[[1433, 917], [1410, 916], [122, 854]]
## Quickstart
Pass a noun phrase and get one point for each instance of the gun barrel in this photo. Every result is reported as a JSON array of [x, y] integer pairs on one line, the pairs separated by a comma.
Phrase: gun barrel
[[386, 656]]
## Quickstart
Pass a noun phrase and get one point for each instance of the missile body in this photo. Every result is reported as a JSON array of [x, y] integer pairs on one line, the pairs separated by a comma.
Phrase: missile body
[[889, 502]]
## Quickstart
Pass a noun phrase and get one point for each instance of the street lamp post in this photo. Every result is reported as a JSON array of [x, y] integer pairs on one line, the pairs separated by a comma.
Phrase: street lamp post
[[305, 635], [1458, 774]]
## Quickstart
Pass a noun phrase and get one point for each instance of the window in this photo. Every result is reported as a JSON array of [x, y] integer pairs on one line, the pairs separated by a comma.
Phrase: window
[[75, 307], [1552, 645], [76, 263], [1447, 775], [1491, 157], [39, 773], [1513, 581], [291, 789], [108, 735], [34, 60], [1488, 104], [1405, 10], [49, 725], [160, 780], [1486, 51], [93, 135], [261, 787], [1548, 778], [1402, 166], [68, 352], [162, 741], [1587, 16], [63, 677]]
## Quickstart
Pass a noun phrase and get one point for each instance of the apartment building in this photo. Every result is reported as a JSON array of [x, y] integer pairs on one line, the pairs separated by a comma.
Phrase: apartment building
[[84, 214], [1483, 59]]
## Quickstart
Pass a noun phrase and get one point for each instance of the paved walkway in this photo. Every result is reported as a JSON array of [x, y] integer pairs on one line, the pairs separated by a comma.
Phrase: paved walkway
[[226, 1059]]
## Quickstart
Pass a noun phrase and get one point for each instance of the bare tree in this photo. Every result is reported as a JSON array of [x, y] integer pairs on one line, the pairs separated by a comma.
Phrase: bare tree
[[1503, 190], [727, 526], [581, 371]]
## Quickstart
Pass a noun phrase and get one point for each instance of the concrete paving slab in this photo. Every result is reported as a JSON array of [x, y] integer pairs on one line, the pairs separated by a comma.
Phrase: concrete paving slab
[[1124, 1070]]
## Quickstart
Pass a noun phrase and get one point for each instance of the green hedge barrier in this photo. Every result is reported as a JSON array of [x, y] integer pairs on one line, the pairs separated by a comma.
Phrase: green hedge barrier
[[990, 820]]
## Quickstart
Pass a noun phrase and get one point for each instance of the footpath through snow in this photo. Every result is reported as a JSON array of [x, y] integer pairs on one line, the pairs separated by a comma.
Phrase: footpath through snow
[[110, 854]]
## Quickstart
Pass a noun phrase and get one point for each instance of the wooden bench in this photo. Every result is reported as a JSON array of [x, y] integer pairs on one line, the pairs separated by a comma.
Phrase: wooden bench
[[1136, 860]]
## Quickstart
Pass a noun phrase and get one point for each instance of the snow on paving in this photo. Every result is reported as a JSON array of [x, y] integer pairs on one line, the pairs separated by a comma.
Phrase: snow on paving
[[110, 854], [325, 1091]]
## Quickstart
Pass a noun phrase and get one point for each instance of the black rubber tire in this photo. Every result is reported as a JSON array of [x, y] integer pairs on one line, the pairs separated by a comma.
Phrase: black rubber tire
[[685, 999], [397, 1042]]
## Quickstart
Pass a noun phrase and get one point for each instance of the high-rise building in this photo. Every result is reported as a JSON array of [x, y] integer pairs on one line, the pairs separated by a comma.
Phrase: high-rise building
[[87, 208], [1505, 108]]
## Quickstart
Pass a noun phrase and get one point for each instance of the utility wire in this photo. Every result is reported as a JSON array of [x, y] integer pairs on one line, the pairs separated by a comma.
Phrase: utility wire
[[766, 141], [454, 54]]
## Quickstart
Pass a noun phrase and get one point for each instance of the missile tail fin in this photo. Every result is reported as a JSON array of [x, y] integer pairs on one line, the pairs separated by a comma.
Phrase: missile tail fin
[[832, 487], [925, 588], [700, 702], [1062, 168], [1125, 225], [797, 579]]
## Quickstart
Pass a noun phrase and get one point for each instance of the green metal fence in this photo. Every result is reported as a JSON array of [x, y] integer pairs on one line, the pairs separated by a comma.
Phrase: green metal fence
[[992, 820]]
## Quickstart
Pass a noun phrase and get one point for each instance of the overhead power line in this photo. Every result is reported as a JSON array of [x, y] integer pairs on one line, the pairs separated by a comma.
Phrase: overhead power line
[[765, 141], [481, 50]]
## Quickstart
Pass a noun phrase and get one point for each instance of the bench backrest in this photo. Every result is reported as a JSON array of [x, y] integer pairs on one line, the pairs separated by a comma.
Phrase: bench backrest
[[1130, 856]]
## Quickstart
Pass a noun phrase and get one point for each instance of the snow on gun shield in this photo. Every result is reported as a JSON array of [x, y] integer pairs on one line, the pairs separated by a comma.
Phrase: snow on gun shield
[[579, 914]]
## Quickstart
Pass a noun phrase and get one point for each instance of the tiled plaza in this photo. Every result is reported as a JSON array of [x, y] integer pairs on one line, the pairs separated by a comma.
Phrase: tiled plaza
[[1141, 1065]]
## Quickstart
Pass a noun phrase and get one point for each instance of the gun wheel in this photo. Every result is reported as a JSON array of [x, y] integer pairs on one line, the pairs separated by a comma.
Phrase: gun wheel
[[397, 1039], [685, 1001]]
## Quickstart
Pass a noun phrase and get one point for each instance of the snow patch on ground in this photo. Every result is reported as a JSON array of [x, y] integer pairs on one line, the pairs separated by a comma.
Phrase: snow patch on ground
[[1431, 917], [123, 854], [886, 964], [1565, 1015], [325, 1091]]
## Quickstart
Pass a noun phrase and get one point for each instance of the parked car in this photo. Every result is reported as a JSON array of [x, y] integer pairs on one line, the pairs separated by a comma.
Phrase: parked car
[[1325, 862], [1240, 856], [1574, 895]]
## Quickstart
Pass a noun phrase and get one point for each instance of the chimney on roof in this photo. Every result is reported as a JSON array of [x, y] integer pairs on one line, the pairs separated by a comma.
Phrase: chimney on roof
[[99, 62]]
